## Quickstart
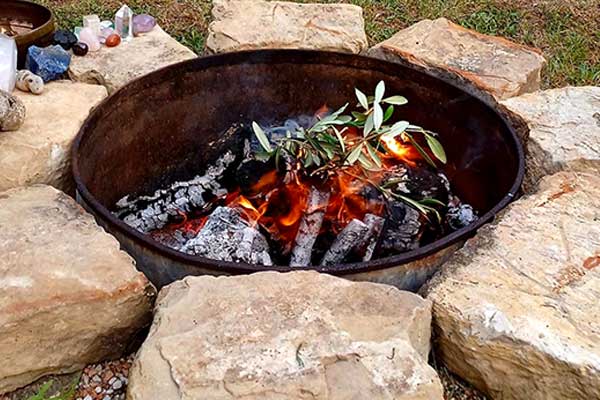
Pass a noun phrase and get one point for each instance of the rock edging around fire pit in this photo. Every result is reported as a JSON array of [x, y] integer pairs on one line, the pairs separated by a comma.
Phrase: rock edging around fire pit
[[515, 311], [68, 295], [299, 335]]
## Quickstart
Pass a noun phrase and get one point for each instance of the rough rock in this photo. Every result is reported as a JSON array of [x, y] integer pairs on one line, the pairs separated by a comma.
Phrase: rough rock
[[564, 130], [39, 152], [115, 66], [12, 112], [499, 66], [300, 335], [68, 295], [516, 310], [255, 24]]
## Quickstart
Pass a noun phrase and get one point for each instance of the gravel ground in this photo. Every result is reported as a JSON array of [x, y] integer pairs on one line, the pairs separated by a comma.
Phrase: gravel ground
[[105, 381]]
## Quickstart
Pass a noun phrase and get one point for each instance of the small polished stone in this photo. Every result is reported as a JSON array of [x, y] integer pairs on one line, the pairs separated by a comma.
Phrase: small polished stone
[[80, 49], [104, 33], [143, 23], [113, 40], [64, 39], [88, 37]]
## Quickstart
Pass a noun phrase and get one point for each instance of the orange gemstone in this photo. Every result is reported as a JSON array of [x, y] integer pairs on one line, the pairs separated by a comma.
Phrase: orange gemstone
[[113, 40]]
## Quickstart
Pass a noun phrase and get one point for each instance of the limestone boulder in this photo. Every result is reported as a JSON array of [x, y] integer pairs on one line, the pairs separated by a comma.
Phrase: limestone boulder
[[516, 310], [564, 130], [299, 335], [39, 151], [255, 24], [68, 295], [499, 66], [114, 67]]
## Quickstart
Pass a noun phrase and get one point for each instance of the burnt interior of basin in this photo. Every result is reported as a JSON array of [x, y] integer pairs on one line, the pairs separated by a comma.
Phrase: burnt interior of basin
[[166, 126]]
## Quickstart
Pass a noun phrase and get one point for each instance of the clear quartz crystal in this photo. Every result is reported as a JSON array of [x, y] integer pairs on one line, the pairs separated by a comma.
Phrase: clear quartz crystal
[[124, 23], [92, 22], [8, 63]]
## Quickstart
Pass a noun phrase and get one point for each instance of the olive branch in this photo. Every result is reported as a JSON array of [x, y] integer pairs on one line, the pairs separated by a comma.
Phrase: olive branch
[[324, 149]]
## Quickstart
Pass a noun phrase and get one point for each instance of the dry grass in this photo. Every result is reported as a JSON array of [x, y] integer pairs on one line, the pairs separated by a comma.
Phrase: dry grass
[[568, 31]]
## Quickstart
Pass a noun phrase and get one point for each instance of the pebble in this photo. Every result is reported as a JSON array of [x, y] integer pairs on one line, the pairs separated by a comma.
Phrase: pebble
[[105, 381], [113, 40], [80, 49]]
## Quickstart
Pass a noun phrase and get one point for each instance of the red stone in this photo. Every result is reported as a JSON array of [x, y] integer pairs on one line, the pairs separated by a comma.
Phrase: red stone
[[113, 40]]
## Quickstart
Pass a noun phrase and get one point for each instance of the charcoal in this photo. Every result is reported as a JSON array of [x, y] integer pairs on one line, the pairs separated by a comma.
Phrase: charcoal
[[418, 182], [402, 229], [226, 236], [147, 213], [369, 242], [250, 172], [310, 226], [460, 216], [348, 239]]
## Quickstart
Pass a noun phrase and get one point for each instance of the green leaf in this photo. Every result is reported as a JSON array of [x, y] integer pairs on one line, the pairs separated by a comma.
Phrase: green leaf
[[354, 154], [432, 202], [340, 139], [377, 116], [388, 113], [379, 91], [396, 100], [369, 125], [436, 148], [397, 129], [262, 138], [362, 99], [423, 209], [358, 116], [374, 156], [308, 160], [365, 162], [421, 151]]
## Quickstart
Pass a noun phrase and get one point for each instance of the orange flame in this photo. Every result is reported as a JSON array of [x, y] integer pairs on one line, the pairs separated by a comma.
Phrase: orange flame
[[401, 151]]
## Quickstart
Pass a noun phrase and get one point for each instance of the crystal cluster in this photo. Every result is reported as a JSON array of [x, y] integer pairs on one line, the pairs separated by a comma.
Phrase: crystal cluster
[[124, 23], [8, 63], [92, 22]]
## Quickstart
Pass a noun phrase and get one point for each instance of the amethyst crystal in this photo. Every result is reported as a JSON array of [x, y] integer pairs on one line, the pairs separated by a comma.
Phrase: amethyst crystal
[[143, 23], [49, 63]]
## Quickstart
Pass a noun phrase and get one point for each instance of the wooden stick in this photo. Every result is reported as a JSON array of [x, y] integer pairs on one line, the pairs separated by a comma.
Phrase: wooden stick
[[309, 228]]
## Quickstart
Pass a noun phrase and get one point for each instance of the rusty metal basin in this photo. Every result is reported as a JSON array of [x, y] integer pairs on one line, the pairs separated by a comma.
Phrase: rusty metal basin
[[157, 129]]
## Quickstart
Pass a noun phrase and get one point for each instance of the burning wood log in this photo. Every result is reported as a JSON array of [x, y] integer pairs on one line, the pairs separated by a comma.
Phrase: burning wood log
[[309, 228], [226, 236], [369, 243], [147, 213], [348, 239], [402, 230]]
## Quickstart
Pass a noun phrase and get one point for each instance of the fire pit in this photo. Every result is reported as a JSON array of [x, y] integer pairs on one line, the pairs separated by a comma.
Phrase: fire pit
[[162, 130], [28, 22]]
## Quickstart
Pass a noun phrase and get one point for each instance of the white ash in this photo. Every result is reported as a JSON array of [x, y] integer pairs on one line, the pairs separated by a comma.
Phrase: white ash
[[226, 236], [309, 228], [147, 213]]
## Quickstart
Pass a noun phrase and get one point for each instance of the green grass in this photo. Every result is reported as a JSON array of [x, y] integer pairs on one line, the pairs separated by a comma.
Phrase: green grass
[[567, 31]]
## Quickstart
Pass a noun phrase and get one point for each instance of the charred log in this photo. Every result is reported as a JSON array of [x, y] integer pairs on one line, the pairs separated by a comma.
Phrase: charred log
[[402, 231], [348, 239], [310, 226], [147, 213], [226, 236], [419, 182], [368, 244]]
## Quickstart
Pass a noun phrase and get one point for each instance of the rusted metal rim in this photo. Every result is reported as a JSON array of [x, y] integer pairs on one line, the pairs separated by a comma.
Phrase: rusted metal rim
[[38, 31], [330, 58]]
